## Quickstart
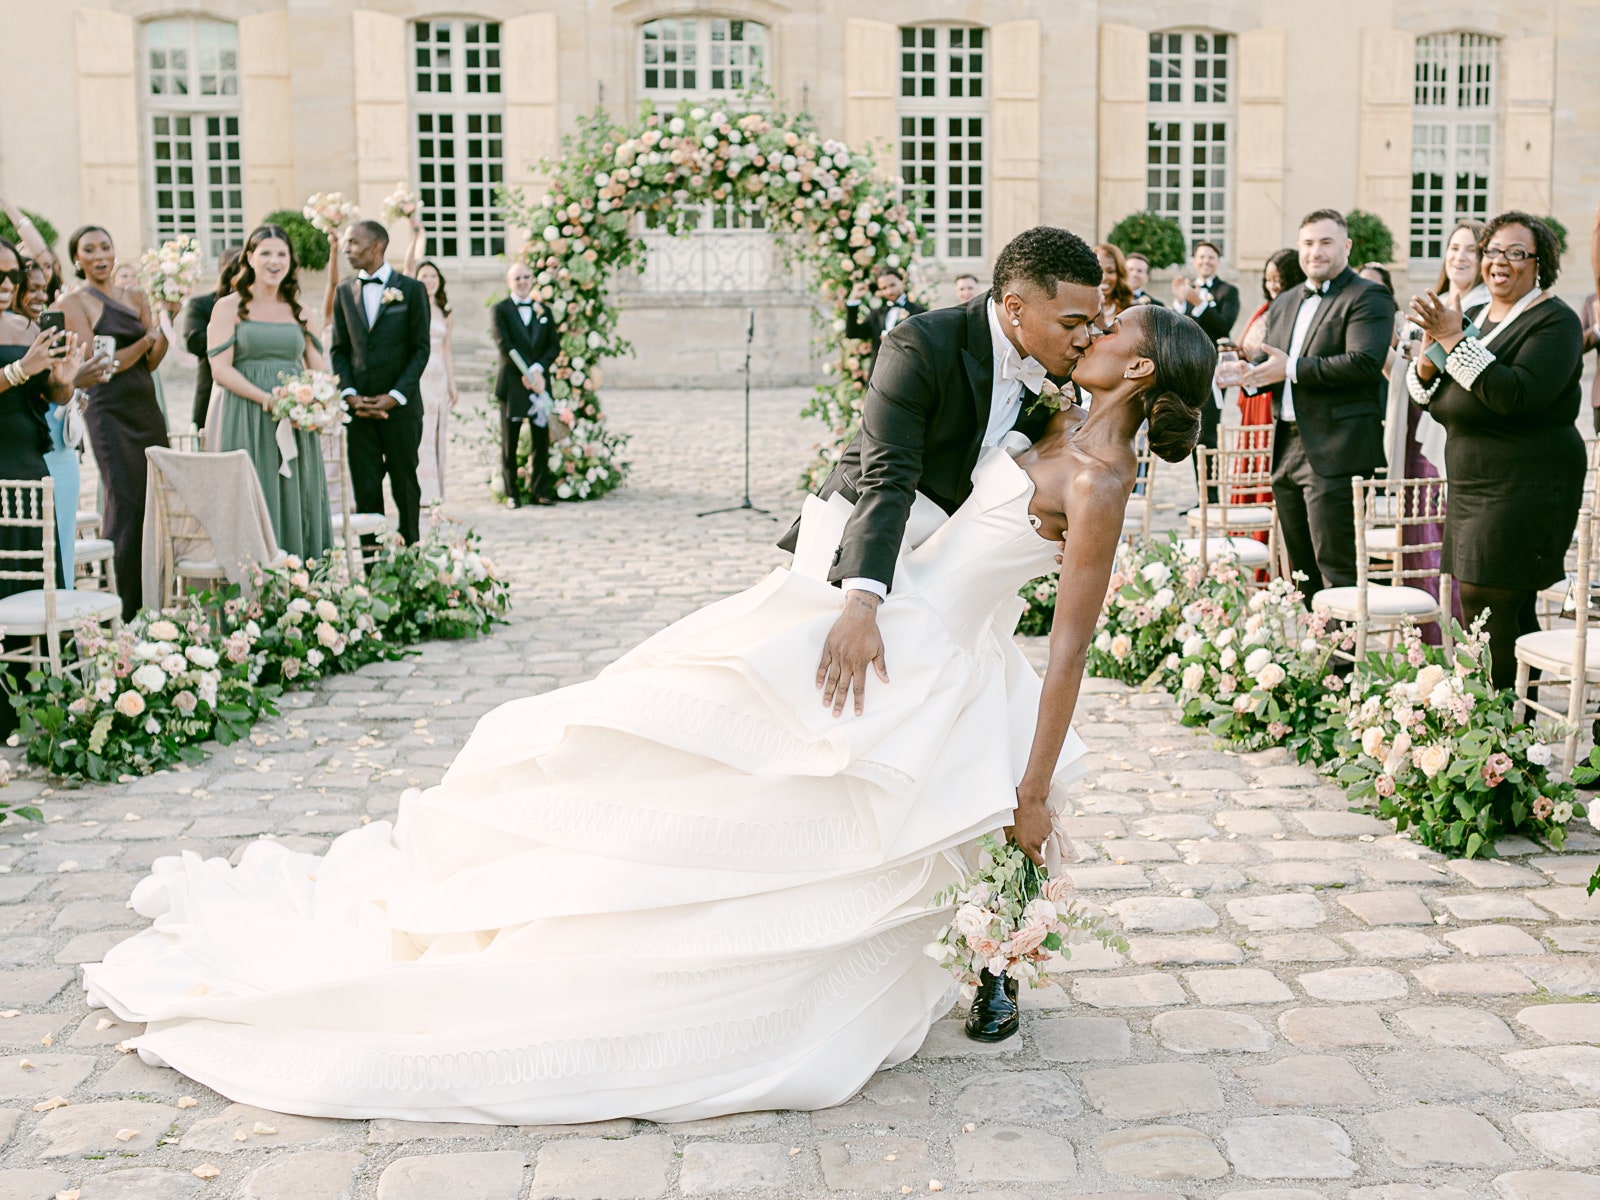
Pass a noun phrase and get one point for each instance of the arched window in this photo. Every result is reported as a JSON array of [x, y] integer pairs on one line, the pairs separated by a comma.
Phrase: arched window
[[685, 57], [191, 120], [943, 111], [457, 122], [1190, 131], [1453, 107]]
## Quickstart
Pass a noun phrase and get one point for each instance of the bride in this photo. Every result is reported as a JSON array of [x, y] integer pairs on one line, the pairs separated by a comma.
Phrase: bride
[[684, 888]]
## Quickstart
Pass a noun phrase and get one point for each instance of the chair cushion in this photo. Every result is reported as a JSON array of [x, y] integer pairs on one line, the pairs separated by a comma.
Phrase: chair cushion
[[87, 516], [1552, 650], [92, 549], [368, 522], [1241, 516], [209, 568], [1384, 603], [1384, 539], [22, 614], [1248, 551]]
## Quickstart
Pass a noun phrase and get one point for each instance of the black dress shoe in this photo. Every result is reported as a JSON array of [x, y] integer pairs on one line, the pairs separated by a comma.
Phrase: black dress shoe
[[543, 500], [994, 1015]]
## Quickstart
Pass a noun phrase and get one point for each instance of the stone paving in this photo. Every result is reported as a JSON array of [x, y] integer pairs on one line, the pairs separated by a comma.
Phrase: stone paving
[[1311, 1008]]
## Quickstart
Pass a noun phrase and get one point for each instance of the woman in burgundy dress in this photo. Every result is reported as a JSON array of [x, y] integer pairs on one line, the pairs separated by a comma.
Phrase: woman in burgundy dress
[[122, 416]]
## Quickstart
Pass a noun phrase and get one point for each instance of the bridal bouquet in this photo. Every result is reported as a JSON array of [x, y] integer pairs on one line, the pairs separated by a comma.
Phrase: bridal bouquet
[[309, 400], [402, 202], [1010, 917], [329, 212], [170, 273]]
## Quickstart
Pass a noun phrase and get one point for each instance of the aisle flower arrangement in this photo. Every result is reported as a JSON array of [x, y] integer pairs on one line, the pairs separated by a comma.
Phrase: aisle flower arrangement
[[207, 671], [1428, 741]]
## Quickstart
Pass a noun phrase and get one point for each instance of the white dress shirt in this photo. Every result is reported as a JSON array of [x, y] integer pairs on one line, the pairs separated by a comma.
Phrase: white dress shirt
[[1297, 341], [1011, 373], [525, 309], [1203, 286], [371, 302]]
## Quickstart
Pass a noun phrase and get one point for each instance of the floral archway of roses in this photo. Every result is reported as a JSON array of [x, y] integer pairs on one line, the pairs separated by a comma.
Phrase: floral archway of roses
[[832, 214]]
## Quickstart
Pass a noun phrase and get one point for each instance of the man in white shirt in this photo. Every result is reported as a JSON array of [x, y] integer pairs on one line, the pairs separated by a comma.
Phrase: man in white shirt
[[1139, 278], [870, 324], [1324, 350]]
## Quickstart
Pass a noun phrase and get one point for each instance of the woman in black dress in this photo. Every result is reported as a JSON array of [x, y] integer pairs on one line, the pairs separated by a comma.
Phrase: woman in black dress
[[122, 416], [1508, 399]]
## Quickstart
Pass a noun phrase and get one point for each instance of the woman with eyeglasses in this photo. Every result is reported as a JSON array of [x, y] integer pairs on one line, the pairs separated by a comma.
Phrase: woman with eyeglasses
[[1502, 379]]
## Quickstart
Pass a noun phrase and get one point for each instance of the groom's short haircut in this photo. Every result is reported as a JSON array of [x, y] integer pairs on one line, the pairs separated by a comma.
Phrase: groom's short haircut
[[1046, 257], [375, 231]]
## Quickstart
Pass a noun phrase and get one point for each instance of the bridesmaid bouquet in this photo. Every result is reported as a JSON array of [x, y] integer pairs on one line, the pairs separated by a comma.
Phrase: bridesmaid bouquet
[[170, 273], [1010, 917], [329, 212], [309, 400], [402, 202]]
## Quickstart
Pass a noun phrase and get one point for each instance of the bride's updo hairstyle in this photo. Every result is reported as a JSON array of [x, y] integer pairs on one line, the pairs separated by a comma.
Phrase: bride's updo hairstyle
[[1184, 361]]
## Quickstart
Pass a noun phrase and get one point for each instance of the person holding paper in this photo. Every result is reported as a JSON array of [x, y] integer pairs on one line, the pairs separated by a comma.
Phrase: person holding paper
[[525, 330]]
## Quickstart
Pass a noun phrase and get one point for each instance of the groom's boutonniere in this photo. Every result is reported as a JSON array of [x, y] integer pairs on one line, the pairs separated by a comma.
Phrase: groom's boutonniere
[[391, 296], [1050, 398]]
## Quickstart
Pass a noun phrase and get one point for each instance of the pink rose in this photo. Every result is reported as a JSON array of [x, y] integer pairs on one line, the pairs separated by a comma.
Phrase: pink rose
[[1384, 786], [1028, 939], [1543, 806], [1057, 889]]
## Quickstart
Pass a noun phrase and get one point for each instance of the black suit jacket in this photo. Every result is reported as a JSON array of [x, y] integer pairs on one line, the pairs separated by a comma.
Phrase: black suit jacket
[[1218, 318], [391, 355], [863, 322], [196, 320], [922, 425], [1340, 392], [537, 342]]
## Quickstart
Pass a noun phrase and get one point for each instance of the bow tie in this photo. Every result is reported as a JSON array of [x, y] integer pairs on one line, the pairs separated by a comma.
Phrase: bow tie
[[1029, 372], [1317, 289], [368, 280], [523, 303]]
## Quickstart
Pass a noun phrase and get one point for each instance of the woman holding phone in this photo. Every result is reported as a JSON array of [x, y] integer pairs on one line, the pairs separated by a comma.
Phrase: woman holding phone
[[123, 417]]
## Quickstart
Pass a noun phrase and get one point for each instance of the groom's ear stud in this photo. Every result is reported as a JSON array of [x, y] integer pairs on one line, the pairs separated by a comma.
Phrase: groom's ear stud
[[1014, 321]]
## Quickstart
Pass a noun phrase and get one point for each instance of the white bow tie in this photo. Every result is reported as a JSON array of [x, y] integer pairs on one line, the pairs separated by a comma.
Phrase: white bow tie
[[1029, 371]]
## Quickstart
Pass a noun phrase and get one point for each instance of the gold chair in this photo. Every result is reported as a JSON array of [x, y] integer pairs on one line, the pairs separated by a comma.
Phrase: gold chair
[[1137, 516], [1239, 470], [1368, 606], [1566, 656], [43, 612], [349, 526], [184, 546]]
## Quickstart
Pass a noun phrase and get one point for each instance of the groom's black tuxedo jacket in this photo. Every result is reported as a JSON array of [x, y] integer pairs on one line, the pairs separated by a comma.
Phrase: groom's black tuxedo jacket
[[391, 354], [922, 425], [538, 342]]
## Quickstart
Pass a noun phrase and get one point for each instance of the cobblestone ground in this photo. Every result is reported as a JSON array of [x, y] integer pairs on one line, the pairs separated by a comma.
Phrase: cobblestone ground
[[1310, 1006]]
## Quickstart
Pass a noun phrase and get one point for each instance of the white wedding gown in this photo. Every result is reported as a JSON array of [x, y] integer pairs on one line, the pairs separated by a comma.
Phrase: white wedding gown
[[679, 890]]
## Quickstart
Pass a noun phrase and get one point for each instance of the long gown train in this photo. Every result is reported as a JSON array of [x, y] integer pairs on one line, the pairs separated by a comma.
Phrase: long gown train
[[679, 890]]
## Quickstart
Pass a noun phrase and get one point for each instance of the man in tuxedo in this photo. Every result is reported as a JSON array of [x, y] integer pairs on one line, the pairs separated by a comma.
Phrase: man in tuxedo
[[1324, 350], [967, 286], [1139, 278], [526, 329], [380, 347], [1214, 304], [196, 321], [872, 323]]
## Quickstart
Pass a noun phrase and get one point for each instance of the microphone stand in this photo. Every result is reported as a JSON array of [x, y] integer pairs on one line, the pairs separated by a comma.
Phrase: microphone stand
[[745, 506]]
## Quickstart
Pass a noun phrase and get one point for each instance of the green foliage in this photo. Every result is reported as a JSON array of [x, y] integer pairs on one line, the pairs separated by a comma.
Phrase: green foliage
[[1158, 238], [1370, 239], [46, 230], [1560, 230], [831, 212], [310, 244]]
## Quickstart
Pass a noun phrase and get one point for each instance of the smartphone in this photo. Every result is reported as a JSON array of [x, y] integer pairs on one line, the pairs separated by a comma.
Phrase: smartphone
[[105, 346], [52, 321]]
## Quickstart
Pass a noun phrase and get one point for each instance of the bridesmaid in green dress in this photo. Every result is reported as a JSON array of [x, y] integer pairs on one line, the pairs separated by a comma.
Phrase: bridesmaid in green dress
[[256, 334]]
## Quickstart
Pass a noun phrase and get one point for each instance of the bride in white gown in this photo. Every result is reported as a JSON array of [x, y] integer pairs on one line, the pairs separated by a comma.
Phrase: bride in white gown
[[683, 888]]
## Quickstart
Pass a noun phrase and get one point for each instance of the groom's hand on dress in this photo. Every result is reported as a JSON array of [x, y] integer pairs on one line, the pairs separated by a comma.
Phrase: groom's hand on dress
[[852, 644]]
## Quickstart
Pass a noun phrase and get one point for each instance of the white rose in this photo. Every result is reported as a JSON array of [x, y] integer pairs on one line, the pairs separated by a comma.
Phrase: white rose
[[327, 634], [1439, 698], [174, 664], [163, 631], [1223, 638], [1372, 743], [1193, 646], [1162, 600], [1156, 572], [1242, 703], [1433, 759], [1257, 659], [1103, 642], [1193, 675], [1121, 647], [314, 657], [1183, 632], [1540, 755], [327, 610], [1271, 675], [202, 656], [147, 652], [1562, 813], [1229, 656], [1430, 677], [1309, 645], [150, 678], [130, 704]]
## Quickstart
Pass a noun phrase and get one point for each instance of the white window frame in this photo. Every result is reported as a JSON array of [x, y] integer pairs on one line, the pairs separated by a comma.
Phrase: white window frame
[[1455, 134], [209, 103], [711, 42], [1189, 104], [470, 113], [936, 114]]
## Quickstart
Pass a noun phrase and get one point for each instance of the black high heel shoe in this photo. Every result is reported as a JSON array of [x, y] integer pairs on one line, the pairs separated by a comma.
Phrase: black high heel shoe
[[994, 1016]]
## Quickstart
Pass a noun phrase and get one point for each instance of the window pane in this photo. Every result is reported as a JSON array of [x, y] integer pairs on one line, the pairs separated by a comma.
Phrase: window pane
[[1186, 173], [1452, 148], [942, 143]]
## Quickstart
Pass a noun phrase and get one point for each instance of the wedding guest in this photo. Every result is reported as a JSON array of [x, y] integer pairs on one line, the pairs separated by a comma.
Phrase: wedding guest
[[196, 322], [122, 415], [1379, 274], [524, 328], [1115, 294], [1214, 304], [1323, 349], [870, 324], [1139, 277], [380, 348], [439, 396], [1282, 271], [1508, 399], [1591, 341], [33, 246], [257, 334], [967, 287]]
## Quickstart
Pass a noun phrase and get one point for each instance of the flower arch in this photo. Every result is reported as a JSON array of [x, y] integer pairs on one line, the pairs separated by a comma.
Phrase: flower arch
[[833, 214]]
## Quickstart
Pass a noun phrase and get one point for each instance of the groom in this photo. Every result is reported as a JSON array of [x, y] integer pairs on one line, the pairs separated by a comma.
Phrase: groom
[[380, 347], [946, 384]]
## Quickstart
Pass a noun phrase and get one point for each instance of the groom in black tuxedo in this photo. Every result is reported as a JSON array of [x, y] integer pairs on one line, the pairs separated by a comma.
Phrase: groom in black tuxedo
[[526, 328], [380, 347]]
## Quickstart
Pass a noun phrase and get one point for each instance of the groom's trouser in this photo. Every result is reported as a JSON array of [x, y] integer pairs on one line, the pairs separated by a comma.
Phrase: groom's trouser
[[389, 447], [538, 460]]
